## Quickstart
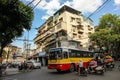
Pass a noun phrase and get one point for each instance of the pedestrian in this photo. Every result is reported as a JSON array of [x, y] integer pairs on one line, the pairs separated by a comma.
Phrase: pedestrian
[[25, 66], [4, 67], [80, 66]]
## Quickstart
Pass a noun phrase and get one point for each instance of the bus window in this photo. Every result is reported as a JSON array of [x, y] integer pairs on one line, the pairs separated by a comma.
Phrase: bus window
[[89, 54], [79, 54], [85, 54], [72, 53], [55, 55], [65, 55]]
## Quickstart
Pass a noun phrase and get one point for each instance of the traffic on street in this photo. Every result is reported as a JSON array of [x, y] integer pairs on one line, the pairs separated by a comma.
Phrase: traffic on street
[[45, 74], [59, 40]]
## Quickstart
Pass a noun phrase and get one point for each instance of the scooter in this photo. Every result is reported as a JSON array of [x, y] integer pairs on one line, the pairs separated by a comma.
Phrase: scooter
[[110, 65], [97, 70]]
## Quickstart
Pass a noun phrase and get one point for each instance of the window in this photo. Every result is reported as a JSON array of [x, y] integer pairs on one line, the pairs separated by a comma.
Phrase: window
[[55, 55], [78, 20], [72, 53], [72, 19], [85, 54], [74, 35], [55, 22], [79, 54], [73, 28], [61, 19], [65, 55], [59, 26]]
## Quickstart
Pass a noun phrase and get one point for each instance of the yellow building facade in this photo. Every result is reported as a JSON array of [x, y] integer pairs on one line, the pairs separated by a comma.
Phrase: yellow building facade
[[66, 28]]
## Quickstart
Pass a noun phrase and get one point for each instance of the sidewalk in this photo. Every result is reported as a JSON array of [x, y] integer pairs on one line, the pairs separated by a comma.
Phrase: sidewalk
[[11, 71]]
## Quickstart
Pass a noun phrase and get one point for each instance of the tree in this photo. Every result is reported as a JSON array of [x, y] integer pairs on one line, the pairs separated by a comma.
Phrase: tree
[[4, 55], [107, 33], [103, 38], [15, 16]]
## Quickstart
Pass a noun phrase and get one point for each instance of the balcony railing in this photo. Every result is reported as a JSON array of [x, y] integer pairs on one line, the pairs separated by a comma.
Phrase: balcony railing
[[60, 26]]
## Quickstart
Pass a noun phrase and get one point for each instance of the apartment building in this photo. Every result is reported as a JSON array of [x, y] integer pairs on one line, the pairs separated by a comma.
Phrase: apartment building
[[13, 54], [66, 28]]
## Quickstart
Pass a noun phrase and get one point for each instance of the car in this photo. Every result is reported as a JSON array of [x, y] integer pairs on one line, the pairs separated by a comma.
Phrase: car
[[36, 65]]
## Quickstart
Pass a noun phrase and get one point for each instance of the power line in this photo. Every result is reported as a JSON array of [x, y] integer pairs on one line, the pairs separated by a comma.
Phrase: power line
[[98, 8], [30, 2], [24, 40], [36, 4], [104, 5]]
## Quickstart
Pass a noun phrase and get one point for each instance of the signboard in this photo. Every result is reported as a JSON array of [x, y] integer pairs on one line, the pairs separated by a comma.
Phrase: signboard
[[14, 56], [41, 54]]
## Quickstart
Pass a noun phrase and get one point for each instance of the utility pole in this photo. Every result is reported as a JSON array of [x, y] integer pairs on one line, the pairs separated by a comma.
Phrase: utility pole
[[27, 46]]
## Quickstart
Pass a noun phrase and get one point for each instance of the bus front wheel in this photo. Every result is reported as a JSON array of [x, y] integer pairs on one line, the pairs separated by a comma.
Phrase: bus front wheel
[[72, 68]]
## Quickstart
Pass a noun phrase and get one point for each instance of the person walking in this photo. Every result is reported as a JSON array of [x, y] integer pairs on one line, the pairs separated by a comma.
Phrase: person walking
[[4, 67], [80, 66]]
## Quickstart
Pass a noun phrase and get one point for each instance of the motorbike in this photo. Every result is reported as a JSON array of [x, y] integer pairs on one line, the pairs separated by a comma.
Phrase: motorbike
[[97, 70], [83, 71], [110, 65], [119, 67]]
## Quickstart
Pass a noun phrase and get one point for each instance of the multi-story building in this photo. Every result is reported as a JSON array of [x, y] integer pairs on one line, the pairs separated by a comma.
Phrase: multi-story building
[[66, 28], [12, 54]]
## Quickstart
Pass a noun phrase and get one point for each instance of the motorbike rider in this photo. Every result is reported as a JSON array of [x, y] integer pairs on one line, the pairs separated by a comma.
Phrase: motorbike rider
[[109, 61], [108, 58], [93, 64]]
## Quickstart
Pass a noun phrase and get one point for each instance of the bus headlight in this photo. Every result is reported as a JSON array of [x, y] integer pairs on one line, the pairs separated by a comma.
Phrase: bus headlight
[[60, 65]]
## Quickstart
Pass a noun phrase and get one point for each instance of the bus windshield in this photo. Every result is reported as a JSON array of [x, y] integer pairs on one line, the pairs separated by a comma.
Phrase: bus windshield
[[55, 54]]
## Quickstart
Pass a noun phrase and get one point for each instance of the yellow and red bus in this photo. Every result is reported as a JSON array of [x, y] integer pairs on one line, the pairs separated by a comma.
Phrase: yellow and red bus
[[63, 59]]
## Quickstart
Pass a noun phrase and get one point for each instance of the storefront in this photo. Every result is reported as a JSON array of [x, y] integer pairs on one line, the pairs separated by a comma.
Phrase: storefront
[[42, 58]]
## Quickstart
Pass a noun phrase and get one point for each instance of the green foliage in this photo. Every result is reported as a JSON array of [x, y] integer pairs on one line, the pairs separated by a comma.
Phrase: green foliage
[[14, 17], [107, 33], [4, 54], [100, 37], [110, 21]]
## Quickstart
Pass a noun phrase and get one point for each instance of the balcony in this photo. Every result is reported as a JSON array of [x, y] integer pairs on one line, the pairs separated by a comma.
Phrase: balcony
[[62, 38], [78, 20], [80, 31], [80, 27], [60, 26], [90, 28]]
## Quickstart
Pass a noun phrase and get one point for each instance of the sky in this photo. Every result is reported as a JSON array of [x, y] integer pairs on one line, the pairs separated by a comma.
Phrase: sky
[[47, 8]]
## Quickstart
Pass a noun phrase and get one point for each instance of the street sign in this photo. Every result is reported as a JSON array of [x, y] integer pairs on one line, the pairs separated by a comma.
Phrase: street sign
[[14, 56]]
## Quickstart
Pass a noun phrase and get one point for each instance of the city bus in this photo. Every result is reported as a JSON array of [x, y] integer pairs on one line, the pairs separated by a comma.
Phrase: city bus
[[63, 59]]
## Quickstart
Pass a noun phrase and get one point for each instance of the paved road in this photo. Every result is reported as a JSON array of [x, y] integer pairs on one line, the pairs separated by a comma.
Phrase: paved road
[[45, 74]]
